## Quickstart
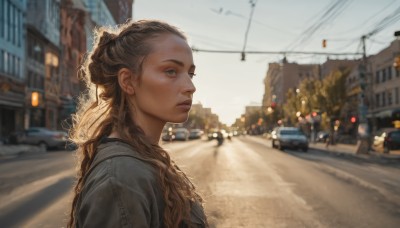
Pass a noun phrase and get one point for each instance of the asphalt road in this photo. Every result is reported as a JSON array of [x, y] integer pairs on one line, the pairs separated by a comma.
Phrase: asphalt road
[[245, 183]]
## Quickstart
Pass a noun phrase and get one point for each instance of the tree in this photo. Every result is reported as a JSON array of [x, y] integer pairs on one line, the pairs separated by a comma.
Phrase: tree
[[292, 106], [304, 101], [333, 95]]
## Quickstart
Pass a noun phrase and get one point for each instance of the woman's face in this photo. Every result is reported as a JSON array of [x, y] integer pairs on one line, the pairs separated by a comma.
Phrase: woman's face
[[165, 90]]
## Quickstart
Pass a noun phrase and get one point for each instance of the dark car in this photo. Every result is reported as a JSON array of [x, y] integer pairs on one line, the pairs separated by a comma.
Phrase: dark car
[[289, 137], [386, 139], [43, 138], [168, 136], [195, 133]]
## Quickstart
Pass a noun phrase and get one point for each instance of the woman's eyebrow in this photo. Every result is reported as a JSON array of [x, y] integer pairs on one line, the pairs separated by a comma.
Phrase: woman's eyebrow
[[178, 62]]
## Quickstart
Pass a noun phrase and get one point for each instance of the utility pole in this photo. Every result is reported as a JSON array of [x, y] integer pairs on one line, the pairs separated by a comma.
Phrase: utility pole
[[253, 4], [363, 131]]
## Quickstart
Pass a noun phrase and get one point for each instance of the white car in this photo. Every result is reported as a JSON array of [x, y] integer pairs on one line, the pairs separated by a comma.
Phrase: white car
[[43, 138]]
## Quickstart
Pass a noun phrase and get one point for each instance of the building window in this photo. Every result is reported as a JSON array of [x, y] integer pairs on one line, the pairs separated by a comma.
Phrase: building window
[[383, 75], [389, 71], [1, 61], [383, 99], [12, 68], [389, 97], [12, 27], [397, 73], [377, 77], [6, 12], [377, 100], [9, 22], [17, 66], [1, 18], [5, 62], [30, 79], [396, 95]]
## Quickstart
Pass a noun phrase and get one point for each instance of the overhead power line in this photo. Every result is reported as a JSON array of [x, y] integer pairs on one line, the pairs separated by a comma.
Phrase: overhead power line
[[331, 12], [275, 52]]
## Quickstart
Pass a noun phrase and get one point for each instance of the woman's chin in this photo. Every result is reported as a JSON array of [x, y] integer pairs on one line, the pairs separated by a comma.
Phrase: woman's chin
[[179, 119]]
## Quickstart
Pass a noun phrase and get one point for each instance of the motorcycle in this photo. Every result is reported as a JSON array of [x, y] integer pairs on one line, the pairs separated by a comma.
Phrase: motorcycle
[[220, 139]]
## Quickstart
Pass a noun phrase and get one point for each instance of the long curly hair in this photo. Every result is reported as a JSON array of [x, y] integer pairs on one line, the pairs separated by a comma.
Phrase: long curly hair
[[104, 108]]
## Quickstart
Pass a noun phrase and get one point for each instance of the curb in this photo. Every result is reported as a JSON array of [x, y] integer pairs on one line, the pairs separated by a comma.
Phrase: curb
[[371, 156]]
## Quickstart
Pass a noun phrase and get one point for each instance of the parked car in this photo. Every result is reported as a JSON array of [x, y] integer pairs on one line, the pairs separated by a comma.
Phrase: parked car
[[43, 138], [386, 139], [195, 133], [289, 137], [168, 136], [181, 134]]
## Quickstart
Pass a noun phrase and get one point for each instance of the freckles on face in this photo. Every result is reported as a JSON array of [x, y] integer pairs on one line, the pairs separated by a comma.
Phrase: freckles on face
[[166, 88]]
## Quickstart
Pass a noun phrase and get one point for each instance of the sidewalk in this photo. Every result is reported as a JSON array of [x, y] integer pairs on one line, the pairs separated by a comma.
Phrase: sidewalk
[[350, 150], [16, 150]]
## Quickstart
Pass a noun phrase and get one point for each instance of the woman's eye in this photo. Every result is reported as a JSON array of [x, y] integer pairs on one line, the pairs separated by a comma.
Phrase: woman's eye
[[192, 74], [170, 72]]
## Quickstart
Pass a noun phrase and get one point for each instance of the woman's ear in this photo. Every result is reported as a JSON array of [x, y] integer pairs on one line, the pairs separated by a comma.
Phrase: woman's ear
[[125, 81]]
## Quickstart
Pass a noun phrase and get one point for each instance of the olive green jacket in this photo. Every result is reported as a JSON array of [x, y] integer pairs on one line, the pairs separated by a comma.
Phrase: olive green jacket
[[122, 190]]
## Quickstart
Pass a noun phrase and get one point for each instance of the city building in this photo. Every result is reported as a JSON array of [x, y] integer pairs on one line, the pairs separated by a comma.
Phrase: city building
[[42, 63], [331, 65], [73, 47], [99, 14], [12, 62], [283, 76], [121, 10], [385, 84]]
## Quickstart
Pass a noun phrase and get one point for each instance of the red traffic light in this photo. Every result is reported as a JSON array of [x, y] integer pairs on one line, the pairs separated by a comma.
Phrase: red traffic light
[[353, 119]]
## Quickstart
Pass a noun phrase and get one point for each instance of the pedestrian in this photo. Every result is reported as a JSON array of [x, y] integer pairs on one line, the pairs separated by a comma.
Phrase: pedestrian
[[138, 78]]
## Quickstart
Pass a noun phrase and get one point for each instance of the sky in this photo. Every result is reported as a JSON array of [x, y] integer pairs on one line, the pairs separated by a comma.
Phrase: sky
[[226, 84]]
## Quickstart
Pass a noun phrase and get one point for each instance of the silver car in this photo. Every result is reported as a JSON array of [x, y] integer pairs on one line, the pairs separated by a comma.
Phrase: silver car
[[43, 138], [289, 137]]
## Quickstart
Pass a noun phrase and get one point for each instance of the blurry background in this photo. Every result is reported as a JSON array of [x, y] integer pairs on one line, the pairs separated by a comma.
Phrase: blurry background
[[249, 56]]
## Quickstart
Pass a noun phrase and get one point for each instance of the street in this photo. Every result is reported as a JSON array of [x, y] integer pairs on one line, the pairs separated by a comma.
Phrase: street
[[244, 182]]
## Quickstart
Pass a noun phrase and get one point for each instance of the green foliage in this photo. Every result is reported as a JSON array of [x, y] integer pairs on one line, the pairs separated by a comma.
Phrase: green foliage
[[327, 96], [333, 93]]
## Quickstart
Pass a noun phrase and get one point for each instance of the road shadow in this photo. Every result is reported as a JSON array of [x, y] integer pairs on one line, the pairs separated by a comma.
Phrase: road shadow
[[20, 212]]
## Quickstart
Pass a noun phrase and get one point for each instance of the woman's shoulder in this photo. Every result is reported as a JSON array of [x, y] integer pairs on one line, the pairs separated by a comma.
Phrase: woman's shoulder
[[121, 162]]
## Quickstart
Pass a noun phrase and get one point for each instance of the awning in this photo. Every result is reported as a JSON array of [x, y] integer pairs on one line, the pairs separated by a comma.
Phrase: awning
[[381, 114]]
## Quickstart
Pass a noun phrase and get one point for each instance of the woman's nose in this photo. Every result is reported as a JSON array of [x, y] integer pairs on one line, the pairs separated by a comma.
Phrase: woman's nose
[[189, 86]]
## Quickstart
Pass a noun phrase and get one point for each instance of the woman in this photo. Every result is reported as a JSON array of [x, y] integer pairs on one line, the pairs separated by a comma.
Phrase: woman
[[138, 78]]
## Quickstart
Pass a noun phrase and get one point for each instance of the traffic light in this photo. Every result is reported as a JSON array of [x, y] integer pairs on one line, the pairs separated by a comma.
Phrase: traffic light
[[35, 99], [353, 119], [324, 43]]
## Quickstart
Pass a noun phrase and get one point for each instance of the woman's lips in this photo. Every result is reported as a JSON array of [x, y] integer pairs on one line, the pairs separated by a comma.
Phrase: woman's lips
[[186, 105]]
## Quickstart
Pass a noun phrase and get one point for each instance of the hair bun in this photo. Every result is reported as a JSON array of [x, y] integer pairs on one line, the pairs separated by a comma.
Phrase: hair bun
[[106, 38]]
